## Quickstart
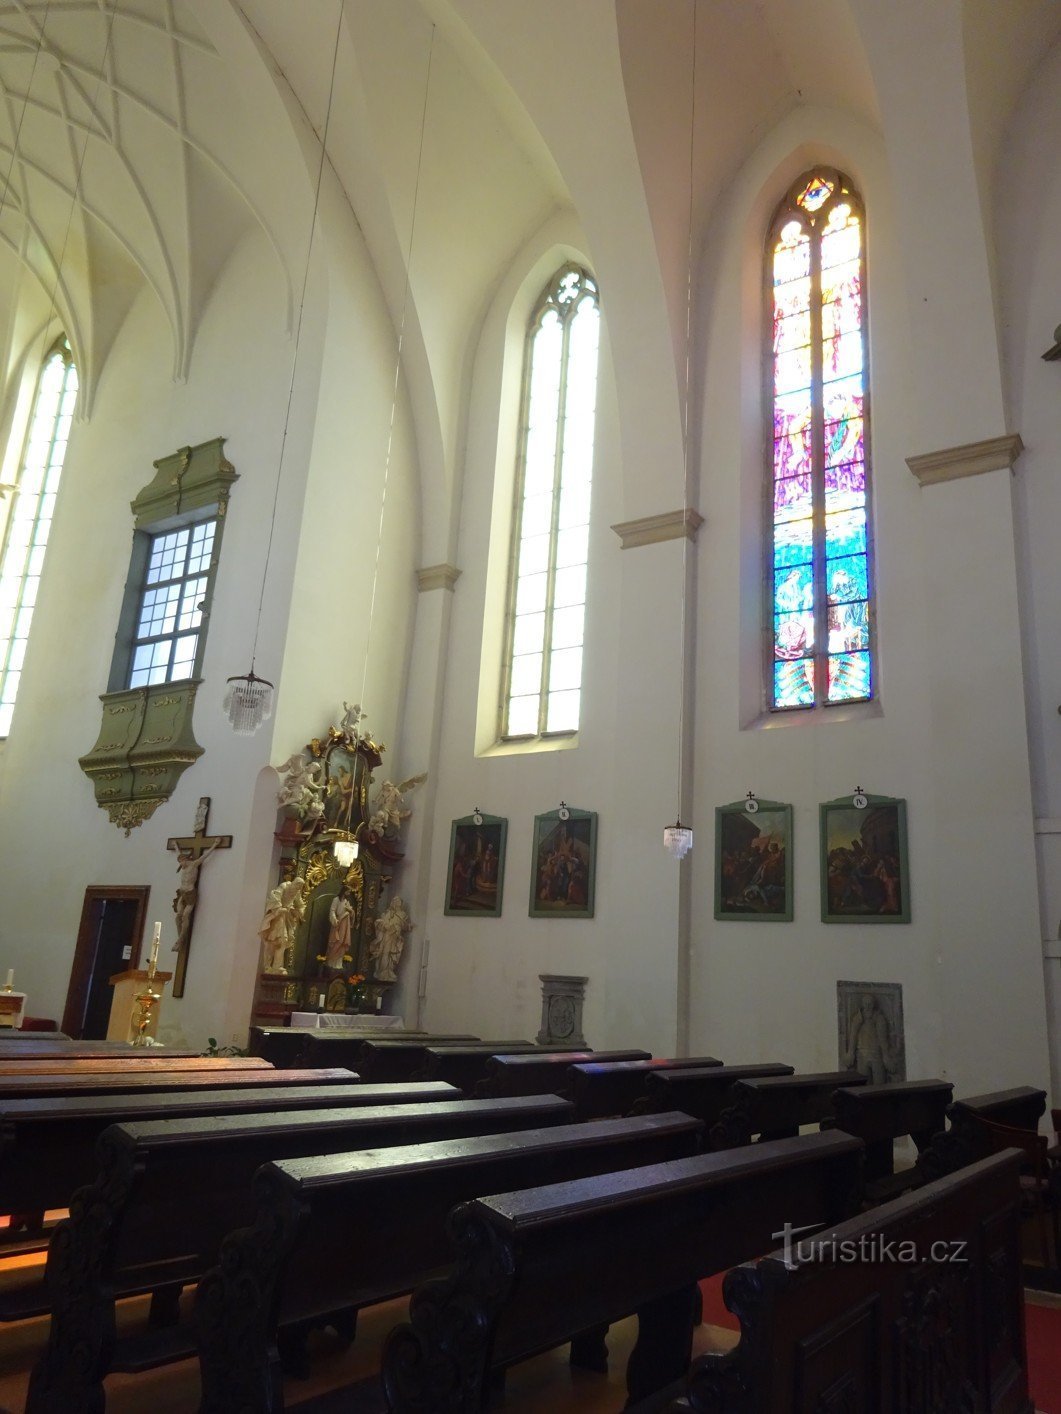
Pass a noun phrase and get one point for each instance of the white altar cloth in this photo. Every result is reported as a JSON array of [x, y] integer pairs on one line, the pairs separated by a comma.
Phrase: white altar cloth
[[340, 1021]]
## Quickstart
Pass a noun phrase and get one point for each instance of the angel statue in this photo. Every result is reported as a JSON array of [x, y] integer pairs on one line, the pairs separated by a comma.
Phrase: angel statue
[[303, 787], [389, 940], [387, 813], [350, 722], [284, 911]]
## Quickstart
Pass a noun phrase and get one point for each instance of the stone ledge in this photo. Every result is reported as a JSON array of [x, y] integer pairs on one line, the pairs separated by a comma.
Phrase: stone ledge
[[972, 459], [437, 577], [652, 530]]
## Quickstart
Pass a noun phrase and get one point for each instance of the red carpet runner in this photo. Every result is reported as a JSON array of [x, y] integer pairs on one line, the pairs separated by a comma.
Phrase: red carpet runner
[[1042, 1329]]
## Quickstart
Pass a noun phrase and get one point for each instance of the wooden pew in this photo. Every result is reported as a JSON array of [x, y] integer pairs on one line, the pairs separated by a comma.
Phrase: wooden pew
[[541, 1074], [1021, 1108], [52, 1048], [775, 1106], [18, 1086], [325, 1235], [280, 1045], [942, 1330], [377, 1059], [465, 1066], [536, 1267], [168, 1191], [880, 1114], [966, 1140], [702, 1093], [603, 1088], [145, 1063], [47, 1145]]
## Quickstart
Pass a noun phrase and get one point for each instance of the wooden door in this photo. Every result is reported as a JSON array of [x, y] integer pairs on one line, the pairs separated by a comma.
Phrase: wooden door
[[108, 941]]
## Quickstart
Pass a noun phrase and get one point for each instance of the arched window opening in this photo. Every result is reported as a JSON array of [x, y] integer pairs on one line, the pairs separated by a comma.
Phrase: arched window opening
[[30, 518], [542, 687], [819, 572]]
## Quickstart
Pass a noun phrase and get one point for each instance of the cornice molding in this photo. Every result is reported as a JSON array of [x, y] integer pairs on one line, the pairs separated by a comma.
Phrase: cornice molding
[[437, 577], [651, 530], [972, 459]]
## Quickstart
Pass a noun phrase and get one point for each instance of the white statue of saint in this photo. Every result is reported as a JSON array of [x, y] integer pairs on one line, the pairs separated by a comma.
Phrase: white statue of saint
[[283, 913], [389, 940], [350, 721], [387, 809]]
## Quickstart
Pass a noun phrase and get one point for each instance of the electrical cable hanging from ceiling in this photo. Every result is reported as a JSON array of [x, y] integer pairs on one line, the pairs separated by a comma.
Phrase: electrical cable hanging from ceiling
[[678, 838], [248, 699]]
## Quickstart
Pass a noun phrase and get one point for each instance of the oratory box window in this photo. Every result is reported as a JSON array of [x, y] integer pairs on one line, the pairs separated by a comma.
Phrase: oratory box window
[[819, 572], [542, 687]]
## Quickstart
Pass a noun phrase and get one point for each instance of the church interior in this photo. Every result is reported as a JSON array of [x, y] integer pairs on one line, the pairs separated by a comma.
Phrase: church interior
[[529, 524]]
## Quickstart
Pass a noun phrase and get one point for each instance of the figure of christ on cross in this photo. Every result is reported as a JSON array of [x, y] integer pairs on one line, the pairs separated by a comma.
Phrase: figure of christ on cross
[[192, 852]]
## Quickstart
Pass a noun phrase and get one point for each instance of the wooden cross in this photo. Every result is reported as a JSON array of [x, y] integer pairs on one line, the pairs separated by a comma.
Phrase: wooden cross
[[192, 852]]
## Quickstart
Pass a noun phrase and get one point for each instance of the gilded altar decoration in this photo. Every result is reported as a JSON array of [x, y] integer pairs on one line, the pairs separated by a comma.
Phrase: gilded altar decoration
[[342, 851]]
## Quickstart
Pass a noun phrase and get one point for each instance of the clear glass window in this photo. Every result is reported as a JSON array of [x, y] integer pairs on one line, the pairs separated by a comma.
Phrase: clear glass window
[[172, 604], [547, 600], [30, 518]]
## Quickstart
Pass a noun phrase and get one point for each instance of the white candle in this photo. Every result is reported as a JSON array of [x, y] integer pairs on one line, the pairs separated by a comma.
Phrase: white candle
[[10, 978]]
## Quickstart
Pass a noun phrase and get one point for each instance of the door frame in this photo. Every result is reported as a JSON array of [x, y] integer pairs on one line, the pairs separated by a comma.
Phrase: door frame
[[84, 955]]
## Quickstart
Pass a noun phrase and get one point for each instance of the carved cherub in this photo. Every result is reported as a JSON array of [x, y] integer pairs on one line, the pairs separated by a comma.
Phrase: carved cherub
[[387, 812], [303, 787], [350, 722]]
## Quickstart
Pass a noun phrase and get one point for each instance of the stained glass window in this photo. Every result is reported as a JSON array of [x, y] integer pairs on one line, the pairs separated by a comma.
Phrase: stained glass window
[[170, 618], [547, 602], [819, 574], [30, 518]]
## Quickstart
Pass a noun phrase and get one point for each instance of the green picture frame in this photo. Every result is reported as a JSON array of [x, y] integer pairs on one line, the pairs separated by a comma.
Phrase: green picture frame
[[564, 864], [753, 862], [475, 878], [865, 868]]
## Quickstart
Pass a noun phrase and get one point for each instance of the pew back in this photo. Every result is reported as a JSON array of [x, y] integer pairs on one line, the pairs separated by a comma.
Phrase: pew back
[[927, 1312], [542, 1074], [703, 1093], [775, 1107], [602, 1088], [125, 1082]]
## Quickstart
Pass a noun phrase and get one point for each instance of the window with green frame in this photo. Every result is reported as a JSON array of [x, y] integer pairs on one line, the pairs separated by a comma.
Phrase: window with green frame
[[30, 518], [542, 687]]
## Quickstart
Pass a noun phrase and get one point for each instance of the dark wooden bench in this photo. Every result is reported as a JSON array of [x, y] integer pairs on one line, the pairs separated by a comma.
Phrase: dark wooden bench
[[702, 1093], [64, 1049], [280, 1045], [47, 1145], [603, 1088], [967, 1138], [124, 1082], [166, 1194], [942, 1330], [535, 1268], [880, 1114], [376, 1059], [341, 1232], [138, 1061], [541, 1074], [776, 1106], [465, 1066]]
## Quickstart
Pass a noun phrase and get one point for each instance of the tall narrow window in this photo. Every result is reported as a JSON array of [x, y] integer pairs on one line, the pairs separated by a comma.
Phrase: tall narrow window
[[547, 599], [30, 518], [821, 604]]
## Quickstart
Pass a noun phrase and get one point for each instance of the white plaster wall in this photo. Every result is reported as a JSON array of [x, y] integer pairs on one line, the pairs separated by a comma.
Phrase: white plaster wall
[[54, 840], [1028, 217], [948, 734]]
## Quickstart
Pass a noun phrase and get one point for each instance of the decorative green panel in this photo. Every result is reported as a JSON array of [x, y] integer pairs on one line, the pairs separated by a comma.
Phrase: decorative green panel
[[145, 743], [187, 480]]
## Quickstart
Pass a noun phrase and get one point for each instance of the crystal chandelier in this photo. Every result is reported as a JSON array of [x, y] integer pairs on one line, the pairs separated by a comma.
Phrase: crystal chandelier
[[248, 702], [677, 840]]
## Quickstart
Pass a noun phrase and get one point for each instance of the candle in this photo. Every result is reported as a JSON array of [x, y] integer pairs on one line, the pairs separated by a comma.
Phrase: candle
[[10, 978]]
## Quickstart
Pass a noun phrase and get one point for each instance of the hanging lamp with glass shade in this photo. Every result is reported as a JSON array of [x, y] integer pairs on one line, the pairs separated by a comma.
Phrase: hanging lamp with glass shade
[[677, 840], [248, 702]]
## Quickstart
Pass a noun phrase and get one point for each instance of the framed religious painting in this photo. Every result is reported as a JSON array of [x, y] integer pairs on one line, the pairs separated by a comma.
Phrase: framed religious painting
[[753, 861], [476, 877], [563, 863], [865, 872]]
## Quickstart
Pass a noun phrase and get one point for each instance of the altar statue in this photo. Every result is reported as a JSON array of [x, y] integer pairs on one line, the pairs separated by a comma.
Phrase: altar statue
[[389, 941], [387, 812], [303, 786], [342, 917], [284, 911]]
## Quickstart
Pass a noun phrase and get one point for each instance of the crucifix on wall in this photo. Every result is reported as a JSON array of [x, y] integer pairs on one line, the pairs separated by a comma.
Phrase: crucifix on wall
[[192, 852]]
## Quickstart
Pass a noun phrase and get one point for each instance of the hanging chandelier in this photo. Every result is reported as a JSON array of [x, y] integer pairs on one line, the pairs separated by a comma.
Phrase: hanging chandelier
[[677, 840]]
